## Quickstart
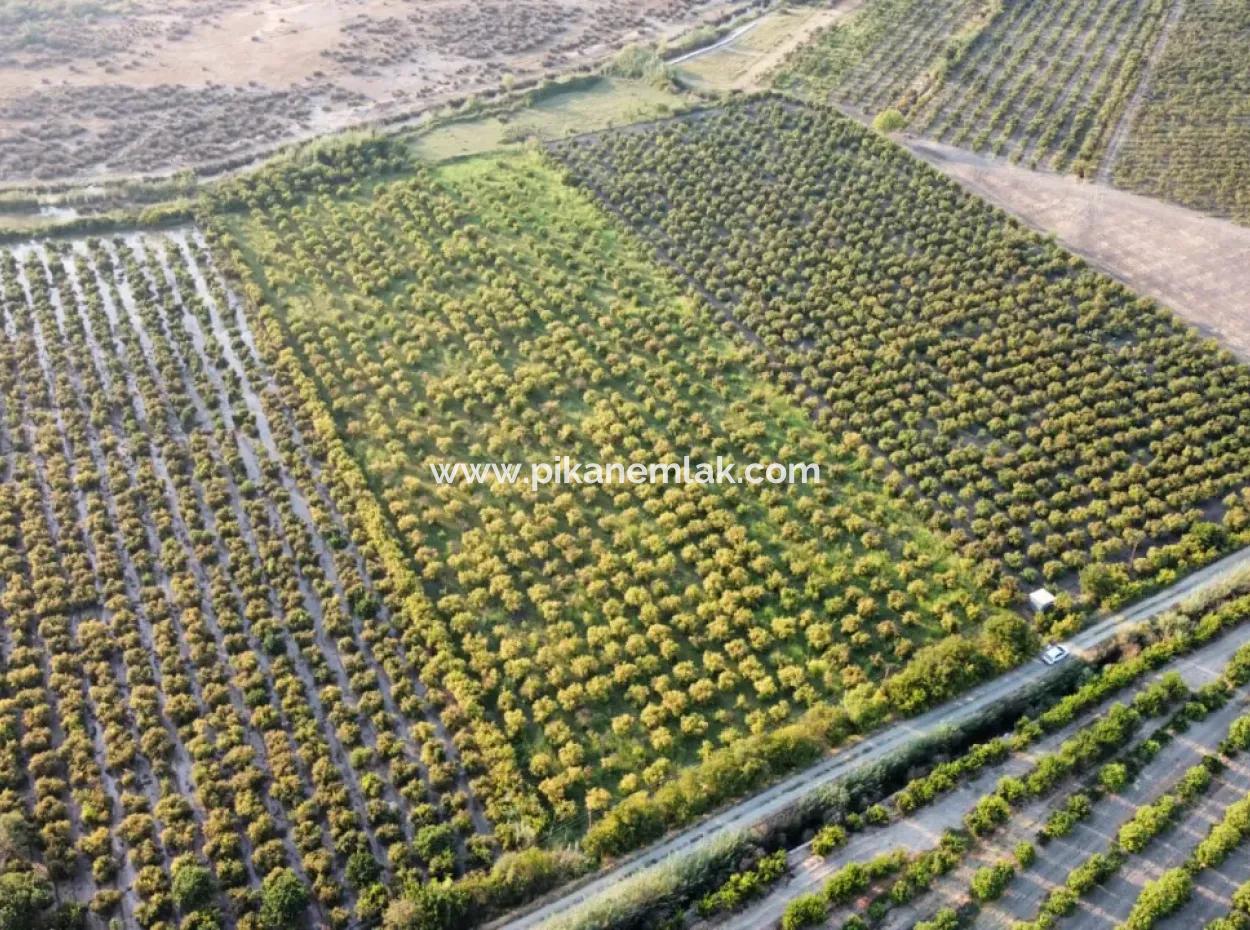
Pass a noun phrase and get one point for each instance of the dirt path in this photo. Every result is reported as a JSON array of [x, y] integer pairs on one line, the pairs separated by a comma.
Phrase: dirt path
[[717, 46], [748, 66], [754, 75], [1197, 265], [1129, 116]]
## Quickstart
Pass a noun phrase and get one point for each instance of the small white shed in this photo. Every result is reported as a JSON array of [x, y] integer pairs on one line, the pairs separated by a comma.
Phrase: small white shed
[[1040, 600]]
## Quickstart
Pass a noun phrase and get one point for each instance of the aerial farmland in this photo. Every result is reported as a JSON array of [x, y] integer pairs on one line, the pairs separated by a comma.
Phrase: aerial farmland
[[609, 466]]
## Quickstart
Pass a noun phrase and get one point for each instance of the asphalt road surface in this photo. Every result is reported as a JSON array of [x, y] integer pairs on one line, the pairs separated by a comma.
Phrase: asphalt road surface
[[874, 748]]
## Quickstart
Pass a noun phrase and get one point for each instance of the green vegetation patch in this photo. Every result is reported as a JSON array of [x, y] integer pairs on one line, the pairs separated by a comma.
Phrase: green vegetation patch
[[1045, 418], [606, 102], [485, 311], [1191, 139]]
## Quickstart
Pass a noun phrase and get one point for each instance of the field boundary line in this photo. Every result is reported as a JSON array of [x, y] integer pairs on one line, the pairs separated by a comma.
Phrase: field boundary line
[[1129, 116]]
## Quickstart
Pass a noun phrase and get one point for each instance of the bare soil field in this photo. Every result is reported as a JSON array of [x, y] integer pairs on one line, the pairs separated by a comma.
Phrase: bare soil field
[[107, 87], [1195, 264]]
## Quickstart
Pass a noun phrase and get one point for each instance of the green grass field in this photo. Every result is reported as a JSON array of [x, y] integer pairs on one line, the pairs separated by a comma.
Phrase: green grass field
[[612, 101]]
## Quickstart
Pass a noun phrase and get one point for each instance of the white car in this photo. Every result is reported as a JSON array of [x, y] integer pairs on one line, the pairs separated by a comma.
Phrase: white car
[[1054, 654]]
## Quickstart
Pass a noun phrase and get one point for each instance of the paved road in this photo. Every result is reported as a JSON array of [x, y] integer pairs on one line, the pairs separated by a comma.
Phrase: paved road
[[761, 807], [728, 40], [918, 832]]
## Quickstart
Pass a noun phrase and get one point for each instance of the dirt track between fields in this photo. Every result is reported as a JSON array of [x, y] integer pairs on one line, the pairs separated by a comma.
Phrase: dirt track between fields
[[757, 74], [1197, 265]]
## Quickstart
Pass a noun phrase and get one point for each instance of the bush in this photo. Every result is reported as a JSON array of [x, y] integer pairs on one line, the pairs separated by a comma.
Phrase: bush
[[1160, 898], [192, 885], [200, 920], [23, 896], [945, 919], [740, 887], [1113, 776], [988, 813], [804, 911], [877, 815], [1239, 733], [283, 898], [827, 839], [521, 876], [726, 773], [990, 882], [1059, 902], [845, 883], [643, 64], [362, 869], [1025, 854], [889, 120], [1146, 823]]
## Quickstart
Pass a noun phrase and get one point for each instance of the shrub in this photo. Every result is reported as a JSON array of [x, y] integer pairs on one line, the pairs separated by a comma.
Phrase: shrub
[[988, 813], [804, 911], [889, 120], [1113, 776], [989, 882], [945, 919], [192, 885], [23, 897], [283, 898], [1159, 898], [201, 920], [845, 883], [742, 886], [362, 869], [877, 815], [1146, 823], [827, 839], [1025, 854]]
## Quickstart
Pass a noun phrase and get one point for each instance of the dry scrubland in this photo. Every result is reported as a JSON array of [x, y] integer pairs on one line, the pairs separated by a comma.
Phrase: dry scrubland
[[107, 87]]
